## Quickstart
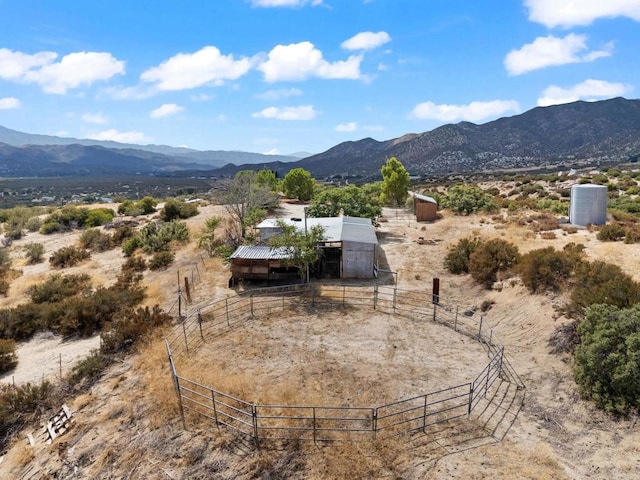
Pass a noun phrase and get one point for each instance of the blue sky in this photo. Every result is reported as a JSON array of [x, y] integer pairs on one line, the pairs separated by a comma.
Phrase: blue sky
[[282, 76]]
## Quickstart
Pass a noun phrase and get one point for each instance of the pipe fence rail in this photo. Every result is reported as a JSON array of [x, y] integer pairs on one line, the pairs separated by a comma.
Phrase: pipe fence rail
[[328, 423]]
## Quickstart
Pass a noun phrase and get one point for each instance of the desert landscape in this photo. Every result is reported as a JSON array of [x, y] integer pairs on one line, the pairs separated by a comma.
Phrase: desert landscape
[[127, 424]]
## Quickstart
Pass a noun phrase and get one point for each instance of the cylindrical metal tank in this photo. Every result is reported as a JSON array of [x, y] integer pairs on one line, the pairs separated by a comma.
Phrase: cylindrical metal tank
[[588, 205]]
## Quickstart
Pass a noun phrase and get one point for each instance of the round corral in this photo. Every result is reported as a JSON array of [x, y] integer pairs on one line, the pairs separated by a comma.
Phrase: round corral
[[335, 356]]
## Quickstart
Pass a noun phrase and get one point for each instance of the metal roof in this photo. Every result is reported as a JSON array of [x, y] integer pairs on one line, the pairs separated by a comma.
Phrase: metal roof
[[425, 198], [336, 229], [250, 252]]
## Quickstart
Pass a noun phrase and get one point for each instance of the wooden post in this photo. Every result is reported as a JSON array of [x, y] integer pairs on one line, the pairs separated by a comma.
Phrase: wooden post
[[187, 290], [470, 399], [179, 306], [374, 421], [254, 414], [215, 411], [200, 324], [424, 415]]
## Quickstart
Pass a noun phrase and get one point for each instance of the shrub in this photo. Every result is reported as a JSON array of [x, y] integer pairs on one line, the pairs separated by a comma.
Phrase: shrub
[[99, 216], [546, 269], [135, 264], [161, 260], [95, 240], [33, 224], [466, 199], [59, 287], [65, 219], [176, 209], [89, 369], [606, 361], [8, 357], [600, 282], [122, 233], [632, 234], [611, 232], [130, 326], [68, 257], [34, 252], [491, 257], [457, 259], [131, 245]]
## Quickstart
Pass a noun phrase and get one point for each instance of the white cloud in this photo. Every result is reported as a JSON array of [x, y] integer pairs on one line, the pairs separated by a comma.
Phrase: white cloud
[[551, 51], [366, 41], [589, 90], [302, 112], [347, 127], [128, 93], [284, 3], [166, 110], [74, 70], [14, 65], [97, 118], [569, 13], [299, 61], [190, 70], [9, 103], [473, 112], [272, 95], [201, 97], [273, 151], [114, 135]]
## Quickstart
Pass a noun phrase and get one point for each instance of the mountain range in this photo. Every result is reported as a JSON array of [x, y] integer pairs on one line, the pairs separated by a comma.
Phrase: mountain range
[[575, 134]]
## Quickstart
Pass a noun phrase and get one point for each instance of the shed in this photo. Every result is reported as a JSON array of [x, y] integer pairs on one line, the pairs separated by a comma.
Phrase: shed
[[261, 263], [349, 247], [425, 208]]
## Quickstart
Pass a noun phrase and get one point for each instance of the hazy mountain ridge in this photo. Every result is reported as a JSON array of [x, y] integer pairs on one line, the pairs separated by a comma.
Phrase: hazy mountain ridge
[[578, 133]]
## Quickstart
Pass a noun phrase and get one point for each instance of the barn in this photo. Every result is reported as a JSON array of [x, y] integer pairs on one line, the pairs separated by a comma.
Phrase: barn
[[261, 263], [348, 250], [425, 208]]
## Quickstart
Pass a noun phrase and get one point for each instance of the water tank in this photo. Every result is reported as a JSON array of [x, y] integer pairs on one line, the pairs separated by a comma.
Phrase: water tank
[[588, 205]]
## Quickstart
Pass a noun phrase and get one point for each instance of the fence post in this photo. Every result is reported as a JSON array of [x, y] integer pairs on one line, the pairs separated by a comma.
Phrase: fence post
[[455, 321], [251, 303], [480, 329], [254, 414], [184, 332], [179, 306], [226, 308], [395, 296], [313, 409], [435, 306], [200, 324], [215, 411], [470, 399], [424, 414], [375, 296], [374, 421], [176, 384]]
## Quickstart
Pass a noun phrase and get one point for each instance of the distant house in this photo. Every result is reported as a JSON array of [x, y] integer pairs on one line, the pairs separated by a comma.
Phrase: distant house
[[425, 208], [348, 250]]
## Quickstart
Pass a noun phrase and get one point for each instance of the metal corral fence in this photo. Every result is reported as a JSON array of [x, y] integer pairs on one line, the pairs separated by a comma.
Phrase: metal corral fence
[[326, 423]]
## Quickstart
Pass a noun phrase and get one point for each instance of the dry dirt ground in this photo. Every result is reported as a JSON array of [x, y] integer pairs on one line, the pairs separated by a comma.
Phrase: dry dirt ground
[[127, 425]]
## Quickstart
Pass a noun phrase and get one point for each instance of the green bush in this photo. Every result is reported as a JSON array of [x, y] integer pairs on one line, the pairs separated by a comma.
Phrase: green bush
[[547, 269], [467, 199], [90, 368], [95, 240], [611, 232], [67, 218], [8, 357], [130, 245], [135, 264], [99, 216], [34, 252], [58, 287], [606, 363], [161, 260], [599, 282], [457, 259], [176, 209], [131, 326], [122, 233], [491, 257], [68, 257]]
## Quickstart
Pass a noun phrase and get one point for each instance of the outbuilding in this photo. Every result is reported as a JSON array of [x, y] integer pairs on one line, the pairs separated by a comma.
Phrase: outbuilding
[[348, 250], [250, 262], [425, 208]]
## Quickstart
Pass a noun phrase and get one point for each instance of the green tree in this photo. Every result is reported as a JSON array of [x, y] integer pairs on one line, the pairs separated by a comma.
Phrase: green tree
[[298, 183], [34, 252], [268, 178], [607, 361], [300, 246], [467, 199], [350, 201], [395, 182]]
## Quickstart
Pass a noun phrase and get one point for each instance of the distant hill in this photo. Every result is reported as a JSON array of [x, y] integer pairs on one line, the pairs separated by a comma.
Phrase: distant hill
[[574, 134], [180, 157], [560, 136]]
